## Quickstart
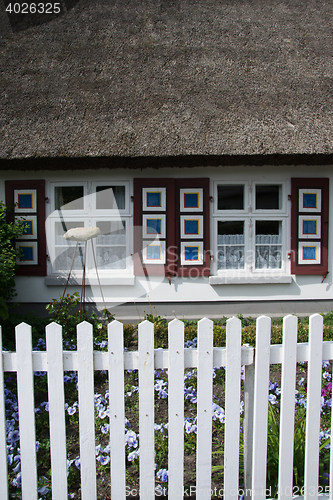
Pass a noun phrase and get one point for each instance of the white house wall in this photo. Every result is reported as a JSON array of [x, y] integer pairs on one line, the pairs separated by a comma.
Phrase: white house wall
[[39, 289]]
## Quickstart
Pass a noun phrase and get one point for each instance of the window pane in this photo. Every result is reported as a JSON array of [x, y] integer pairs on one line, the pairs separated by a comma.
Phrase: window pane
[[268, 244], [268, 197], [111, 245], [68, 197], [110, 197], [65, 249], [230, 197], [230, 245]]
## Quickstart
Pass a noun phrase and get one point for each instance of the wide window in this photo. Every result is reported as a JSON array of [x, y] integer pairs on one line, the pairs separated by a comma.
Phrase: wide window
[[250, 227], [89, 204]]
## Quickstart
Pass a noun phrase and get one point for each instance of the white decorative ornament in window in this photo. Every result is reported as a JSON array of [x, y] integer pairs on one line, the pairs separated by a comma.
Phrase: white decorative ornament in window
[[82, 233]]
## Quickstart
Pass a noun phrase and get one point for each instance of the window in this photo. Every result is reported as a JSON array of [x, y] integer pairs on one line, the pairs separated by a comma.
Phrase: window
[[90, 204], [250, 227]]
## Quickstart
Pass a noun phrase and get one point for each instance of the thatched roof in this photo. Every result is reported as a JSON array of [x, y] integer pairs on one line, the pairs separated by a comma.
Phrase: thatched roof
[[159, 78]]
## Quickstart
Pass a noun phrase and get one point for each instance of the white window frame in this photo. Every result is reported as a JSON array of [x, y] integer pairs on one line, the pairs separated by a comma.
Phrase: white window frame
[[90, 215], [123, 211], [51, 197], [250, 215]]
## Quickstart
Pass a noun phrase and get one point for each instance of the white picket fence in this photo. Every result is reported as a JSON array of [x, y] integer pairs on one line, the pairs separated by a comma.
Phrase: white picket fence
[[84, 360]]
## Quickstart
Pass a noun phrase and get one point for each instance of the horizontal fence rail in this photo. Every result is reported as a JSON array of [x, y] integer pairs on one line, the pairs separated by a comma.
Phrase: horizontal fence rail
[[175, 359]]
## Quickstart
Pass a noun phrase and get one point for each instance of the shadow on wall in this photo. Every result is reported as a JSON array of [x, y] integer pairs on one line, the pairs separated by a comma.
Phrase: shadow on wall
[[24, 15]]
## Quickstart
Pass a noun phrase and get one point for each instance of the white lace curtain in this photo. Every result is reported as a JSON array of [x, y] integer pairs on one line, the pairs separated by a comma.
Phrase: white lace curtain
[[231, 251]]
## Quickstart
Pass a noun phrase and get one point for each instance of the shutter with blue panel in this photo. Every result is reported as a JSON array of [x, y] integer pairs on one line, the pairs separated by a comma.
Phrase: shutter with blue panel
[[309, 226], [171, 227], [27, 201]]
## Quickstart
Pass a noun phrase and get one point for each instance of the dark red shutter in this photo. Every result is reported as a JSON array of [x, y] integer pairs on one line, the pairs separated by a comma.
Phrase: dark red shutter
[[172, 237], [141, 267], [37, 212], [203, 240], [309, 226]]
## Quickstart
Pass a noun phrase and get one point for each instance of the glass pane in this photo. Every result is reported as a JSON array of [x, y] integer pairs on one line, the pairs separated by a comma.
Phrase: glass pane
[[111, 245], [268, 227], [230, 245], [65, 249], [60, 230], [111, 258], [110, 197], [68, 197], [64, 259], [268, 197], [231, 228], [113, 232], [268, 244], [230, 197]]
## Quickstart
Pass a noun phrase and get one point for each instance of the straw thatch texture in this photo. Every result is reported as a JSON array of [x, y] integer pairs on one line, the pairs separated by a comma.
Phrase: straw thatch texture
[[165, 78]]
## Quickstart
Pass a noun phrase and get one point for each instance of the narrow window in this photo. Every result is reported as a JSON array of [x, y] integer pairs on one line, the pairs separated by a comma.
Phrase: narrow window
[[268, 244], [111, 245], [230, 244], [65, 249]]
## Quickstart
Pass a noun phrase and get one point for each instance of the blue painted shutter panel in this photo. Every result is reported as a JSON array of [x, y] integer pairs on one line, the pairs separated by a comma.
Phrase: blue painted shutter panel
[[29, 199], [309, 226]]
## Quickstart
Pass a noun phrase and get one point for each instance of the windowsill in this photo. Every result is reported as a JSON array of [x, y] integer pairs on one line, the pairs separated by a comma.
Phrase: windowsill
[[249, 280], [124, 280]]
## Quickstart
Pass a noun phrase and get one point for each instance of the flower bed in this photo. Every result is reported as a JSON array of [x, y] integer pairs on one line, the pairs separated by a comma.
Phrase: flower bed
[[131, 430]]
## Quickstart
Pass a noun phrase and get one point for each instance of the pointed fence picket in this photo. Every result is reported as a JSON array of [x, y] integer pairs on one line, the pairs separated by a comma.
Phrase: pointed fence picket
[[146, 410], [204, 408], [176, 408], [287, 415], [117, 408], [175, 359], [232, 403], [86, 411], [260, 407], [26, 407], [313, 405], [56, 396]]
